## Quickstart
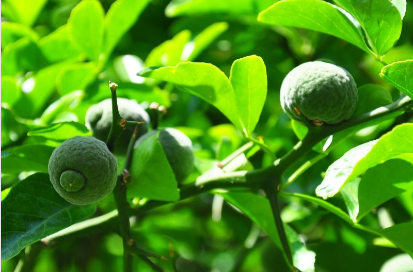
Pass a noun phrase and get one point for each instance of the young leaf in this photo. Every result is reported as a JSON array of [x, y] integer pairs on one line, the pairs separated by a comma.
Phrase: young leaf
[[33, 210], [399, 74], [152, 176], [11, 91], [11, 32], [382, 31], [121, 16], [359, 159], [203, 80], [85, 27], [249, 80], [315, 15], [179, 8], [258, 209]]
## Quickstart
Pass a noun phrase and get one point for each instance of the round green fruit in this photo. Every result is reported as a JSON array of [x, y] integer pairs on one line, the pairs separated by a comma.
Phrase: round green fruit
[[99, 120], [320, 92], [83, 170], [178, 150]]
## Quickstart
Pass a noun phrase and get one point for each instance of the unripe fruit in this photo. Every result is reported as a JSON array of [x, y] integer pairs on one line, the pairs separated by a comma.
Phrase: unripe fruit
[[99, 120], [83, 170], [178, 150], [320, 92]]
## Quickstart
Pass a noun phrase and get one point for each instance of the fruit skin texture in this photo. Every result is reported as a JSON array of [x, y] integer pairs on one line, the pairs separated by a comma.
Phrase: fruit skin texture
[[84, 158], [322, 92], [178, 150], [99, 120]]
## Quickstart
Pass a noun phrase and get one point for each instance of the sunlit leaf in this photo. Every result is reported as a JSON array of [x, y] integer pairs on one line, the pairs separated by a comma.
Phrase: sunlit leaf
[[11, 32], [60, 131], [315, 15], [359, 159], [382, 31], [249, 80], [86, 28], [399, 74], [75, 77], [26, 12], [203, 80]]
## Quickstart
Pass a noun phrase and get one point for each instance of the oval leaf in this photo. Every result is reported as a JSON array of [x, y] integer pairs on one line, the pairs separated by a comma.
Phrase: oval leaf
[[85, 27], [315, 15], [249, 80], [152, 176], [33, 210], [382, 31], [399, 74], [203, 80]]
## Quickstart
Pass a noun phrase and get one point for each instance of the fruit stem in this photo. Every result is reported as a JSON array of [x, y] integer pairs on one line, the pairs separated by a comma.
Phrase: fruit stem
[[115, 129]]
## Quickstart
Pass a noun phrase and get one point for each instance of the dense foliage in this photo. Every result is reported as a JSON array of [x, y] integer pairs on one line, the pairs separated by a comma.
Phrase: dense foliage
[[266, 193]]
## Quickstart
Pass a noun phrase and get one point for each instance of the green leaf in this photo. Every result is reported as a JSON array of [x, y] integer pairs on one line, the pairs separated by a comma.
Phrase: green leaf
[[65, 102], [152, 176], [203, 80], [203, 40], [60, 131], [11, 32], [258, 209], [315, 15], [382, 31], [169, 52], [249, 80], [33, 210], [385, 181], [11, 129], [85, 27], [359, 159], [57, 45], [401, 235], [371, 96], [179, 8], [399, 74], [121, 16], [75, 77], [20, 56], [26, 12], [10, 90], [27, 158], [43, 85]]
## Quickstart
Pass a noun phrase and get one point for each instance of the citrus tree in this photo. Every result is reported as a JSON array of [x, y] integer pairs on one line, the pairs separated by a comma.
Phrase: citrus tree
[[207, 135]]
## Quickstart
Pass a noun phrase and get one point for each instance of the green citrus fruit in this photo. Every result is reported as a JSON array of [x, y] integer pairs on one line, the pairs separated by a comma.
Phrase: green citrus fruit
[[178, 150], [99, 120], [83, 170], [320, 92]]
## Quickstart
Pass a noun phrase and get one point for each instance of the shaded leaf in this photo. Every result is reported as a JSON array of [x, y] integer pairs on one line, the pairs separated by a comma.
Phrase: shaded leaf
[[382, 31], [11, 32], [315, 15], [33, 210], [258, 209], [399, 74], [10, 90], [249, 80], [371, 96], [27, 158], [85, 27], [385, 181], [152, 176], [65, 102], [356, 161], [401, 235]]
